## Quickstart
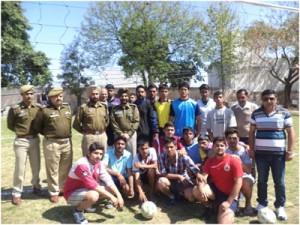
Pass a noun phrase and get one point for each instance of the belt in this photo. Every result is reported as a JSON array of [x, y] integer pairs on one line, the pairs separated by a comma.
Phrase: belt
[[27, 136], [59, 140], [94, 132]]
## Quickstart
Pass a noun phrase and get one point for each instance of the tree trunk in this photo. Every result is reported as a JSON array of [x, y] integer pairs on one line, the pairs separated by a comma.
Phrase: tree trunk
[[78, 99], [287, 95]]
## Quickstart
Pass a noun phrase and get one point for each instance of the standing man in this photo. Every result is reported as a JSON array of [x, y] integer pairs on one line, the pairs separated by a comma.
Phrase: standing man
[[219, 119], [91, 120], [148, 129], [103, 96], [162, 107], [205, 104], [111, 95], [152, 93], [54, 122], [185, 111], [267, 140], [125, 120], [226, 174], [27, 142], [242, 111]]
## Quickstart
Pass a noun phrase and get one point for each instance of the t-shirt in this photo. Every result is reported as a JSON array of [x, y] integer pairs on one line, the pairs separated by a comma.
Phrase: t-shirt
[[151, 158], [242, 153], [184, 113], [223, 171], [119, 165], [85, 175], [163, 112], [204, 109], [218, 120], [193, 151]]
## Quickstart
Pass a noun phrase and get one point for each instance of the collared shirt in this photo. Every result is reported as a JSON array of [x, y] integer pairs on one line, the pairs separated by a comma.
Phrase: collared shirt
[[163, 111], [151, 158], [119, 165], [114, 101], [180, 167]]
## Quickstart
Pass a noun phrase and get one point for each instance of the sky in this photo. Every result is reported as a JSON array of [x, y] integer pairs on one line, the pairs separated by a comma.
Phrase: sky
[[55, 24]]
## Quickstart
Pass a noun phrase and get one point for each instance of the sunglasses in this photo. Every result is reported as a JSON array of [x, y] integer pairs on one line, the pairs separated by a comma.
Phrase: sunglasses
[[269, 99]]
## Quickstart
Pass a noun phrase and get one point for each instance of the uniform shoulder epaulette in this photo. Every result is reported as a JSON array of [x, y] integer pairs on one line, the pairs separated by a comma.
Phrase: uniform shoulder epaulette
[[40, 105], [101, 103], [133, 105], [15, 106], [83, 105]]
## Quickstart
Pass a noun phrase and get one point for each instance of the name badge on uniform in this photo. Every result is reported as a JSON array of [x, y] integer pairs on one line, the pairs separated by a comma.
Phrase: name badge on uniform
[[118, 113], [67, 113], [22, 113], [91, 110], [53, 114]]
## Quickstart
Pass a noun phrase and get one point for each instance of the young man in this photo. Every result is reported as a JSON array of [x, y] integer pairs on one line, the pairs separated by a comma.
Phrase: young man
[[162, 107], [267, 139], [145, 168], [205, 104], [82, 189], [219, 119], [91, 120], [152, 93], [159, 143], [54, 122], [226, 181], [205, 148], [118, 162], [185, 111], [132, 98], [234, 148], [175, 181], [27, 142], [112, 99]]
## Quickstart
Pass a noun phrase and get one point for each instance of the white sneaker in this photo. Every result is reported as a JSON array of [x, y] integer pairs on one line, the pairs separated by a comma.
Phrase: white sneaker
[[79, 217], [109, 205], [281, 214], [90, 210], [260, 207]]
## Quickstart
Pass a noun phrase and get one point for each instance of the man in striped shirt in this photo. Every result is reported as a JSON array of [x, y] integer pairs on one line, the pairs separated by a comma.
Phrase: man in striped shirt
[[267, 140]]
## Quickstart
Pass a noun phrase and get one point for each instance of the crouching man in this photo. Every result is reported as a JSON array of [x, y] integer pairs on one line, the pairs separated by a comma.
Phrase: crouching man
[[226, 174], [82, 189]]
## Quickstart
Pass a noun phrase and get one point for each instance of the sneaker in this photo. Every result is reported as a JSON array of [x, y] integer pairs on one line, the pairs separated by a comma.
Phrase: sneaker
[[281, 214], [169, 203], [90, 209], [260, 207], [79, 217], [108, 205]]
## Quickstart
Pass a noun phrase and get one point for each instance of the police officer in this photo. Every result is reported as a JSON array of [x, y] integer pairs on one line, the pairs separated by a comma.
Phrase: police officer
[[125, 120], [91, 120], [54, 122], [27, 143]]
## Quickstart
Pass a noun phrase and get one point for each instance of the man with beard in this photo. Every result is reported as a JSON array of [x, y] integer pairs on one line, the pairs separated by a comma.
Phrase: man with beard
[[54, 122], [20, 120], [91, 120], [125, 120]]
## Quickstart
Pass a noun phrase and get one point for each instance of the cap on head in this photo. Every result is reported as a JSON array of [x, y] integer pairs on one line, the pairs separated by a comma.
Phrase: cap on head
[[91, 88], [26, 88], [55, 91]]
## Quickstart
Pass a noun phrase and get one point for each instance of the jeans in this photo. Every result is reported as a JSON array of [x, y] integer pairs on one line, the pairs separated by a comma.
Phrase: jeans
[[277, 165]]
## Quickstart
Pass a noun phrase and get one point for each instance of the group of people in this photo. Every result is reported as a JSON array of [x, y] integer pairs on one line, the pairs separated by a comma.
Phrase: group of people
[[188, 150]]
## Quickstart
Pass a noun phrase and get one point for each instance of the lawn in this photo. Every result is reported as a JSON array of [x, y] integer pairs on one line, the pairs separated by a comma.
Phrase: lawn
[[34, 210]]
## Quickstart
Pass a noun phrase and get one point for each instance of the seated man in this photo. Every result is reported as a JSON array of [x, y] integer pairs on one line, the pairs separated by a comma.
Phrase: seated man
[[82, 189], [169, 131], [226, 174], [145, 169], [118, 162], [175, 180], [205, 148], [234, 148], [191, 146]]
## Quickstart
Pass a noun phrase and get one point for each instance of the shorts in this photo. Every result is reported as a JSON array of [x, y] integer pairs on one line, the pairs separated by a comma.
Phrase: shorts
[[222, 197], [117, 182], [177, 186], [144, 178], [77, 196], [249, 176]]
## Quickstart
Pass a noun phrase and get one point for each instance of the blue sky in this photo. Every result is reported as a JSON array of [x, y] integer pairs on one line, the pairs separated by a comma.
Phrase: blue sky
[[56, 23]]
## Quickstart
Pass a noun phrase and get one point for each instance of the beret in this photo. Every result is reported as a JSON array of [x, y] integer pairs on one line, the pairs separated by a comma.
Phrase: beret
[[26, 88], [55, 91]]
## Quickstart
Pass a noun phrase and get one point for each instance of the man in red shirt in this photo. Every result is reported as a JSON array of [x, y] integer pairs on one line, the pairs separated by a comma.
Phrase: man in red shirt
[[82, 189], [226, 174]]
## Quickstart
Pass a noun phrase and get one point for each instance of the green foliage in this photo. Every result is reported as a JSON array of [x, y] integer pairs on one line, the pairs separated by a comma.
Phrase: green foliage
[[149, 39], [20, 64], [73, 65]]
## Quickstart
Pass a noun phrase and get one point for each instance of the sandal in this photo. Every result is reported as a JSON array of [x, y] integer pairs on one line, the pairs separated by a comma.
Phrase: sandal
[[249, 212]]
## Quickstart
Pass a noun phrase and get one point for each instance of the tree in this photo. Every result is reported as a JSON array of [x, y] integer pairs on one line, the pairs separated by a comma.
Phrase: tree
[[142, 37], [20, 64], [221, 40], [74, 65], [276, 45]]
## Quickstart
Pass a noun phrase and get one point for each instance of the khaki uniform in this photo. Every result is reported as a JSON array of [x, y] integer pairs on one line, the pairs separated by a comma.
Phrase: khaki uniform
[[126, 120], [27, 143], [92, 120], [55, 125]]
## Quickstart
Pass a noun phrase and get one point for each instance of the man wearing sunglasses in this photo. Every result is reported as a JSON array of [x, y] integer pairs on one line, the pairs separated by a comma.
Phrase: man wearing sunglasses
[[267, 140]]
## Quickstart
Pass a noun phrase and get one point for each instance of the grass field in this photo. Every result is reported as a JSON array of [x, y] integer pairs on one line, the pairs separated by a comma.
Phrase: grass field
[[34, 210]]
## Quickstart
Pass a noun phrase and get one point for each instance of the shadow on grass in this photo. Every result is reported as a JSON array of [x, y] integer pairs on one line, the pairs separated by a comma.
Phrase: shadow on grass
[[61, 214]]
